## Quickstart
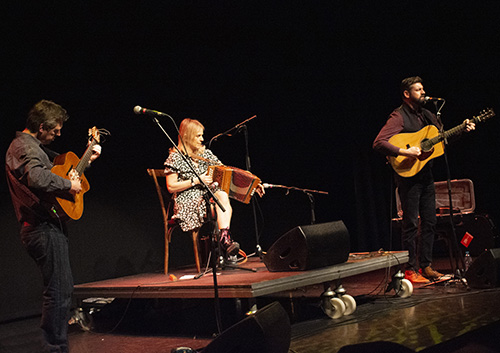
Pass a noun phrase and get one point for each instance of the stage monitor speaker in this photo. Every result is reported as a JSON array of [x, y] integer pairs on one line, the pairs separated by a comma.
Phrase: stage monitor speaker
[[308, 247], [484, 272], [266, 331]]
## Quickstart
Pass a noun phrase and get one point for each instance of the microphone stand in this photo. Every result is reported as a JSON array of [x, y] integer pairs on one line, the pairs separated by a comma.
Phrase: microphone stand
[[228, 132], [243, 127], [253, 201], [457, 270], [210, 215], [309, 194]]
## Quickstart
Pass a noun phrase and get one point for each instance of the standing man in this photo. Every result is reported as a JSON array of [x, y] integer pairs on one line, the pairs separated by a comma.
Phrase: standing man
[[417, 193], [33, 186]]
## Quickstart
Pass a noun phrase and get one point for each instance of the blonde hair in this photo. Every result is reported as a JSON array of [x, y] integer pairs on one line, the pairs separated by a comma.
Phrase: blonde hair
[[187, 132]]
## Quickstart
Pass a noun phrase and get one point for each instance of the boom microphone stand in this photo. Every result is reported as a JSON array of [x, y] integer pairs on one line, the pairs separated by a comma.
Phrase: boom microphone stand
[[308, 192], [242, 127], [459, 261], [210, 211]]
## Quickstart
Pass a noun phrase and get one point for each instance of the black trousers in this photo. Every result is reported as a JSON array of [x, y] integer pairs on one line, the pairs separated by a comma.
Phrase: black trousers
[[47, 244], [418, 203]]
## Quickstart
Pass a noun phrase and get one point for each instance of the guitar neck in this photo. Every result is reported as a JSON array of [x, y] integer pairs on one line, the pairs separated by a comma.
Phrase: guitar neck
[[408, 167], [84, 161], [449, 133]]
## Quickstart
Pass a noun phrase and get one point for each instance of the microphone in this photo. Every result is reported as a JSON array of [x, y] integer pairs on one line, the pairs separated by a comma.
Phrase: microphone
[[270, 186], [143, 111], [433, 99]]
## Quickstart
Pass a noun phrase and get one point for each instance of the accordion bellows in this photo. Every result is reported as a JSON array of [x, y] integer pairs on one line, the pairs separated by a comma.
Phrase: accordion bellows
[[238, 183]]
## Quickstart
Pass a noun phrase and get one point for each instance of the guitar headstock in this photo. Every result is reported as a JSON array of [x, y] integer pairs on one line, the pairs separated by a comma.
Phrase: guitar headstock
[[485, 114], [94, 134]]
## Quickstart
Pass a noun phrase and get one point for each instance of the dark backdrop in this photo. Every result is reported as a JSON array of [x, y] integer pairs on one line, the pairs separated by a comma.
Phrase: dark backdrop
[[321, 76]]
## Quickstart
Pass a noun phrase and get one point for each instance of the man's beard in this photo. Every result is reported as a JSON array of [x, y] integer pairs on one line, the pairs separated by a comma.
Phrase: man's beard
[[419, 102]]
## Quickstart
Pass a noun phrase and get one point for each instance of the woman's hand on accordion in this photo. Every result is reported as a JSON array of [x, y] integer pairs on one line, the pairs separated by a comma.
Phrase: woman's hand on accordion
[[206, 178], [260, 190]]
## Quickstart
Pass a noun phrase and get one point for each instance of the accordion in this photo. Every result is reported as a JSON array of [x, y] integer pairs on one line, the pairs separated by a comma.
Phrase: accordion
[[238, 183]]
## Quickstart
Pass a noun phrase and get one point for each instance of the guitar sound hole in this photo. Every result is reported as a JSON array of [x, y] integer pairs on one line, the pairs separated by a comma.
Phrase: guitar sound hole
[[69, 170]]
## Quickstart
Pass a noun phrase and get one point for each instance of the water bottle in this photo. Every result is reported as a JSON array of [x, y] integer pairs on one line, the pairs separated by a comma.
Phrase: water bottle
[[467, 260]]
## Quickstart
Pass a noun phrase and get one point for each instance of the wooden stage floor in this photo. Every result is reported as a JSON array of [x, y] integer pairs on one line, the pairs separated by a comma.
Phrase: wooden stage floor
[[441, 318], [236, 283]]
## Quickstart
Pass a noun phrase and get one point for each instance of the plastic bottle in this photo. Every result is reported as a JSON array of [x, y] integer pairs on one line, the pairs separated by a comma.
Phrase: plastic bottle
[[467, 260]]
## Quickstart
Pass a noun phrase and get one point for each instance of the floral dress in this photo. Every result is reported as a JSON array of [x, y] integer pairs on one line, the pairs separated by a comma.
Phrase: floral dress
[[189, 205]]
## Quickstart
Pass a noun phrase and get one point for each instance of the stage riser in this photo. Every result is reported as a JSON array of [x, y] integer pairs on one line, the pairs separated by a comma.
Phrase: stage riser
[[234, 283]]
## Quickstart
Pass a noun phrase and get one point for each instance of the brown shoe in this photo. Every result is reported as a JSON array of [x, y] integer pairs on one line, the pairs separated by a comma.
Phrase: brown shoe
[[431, 274], [415, 277]]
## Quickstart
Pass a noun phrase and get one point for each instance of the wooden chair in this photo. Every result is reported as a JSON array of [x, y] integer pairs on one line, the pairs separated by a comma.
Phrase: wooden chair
[[170, 224]]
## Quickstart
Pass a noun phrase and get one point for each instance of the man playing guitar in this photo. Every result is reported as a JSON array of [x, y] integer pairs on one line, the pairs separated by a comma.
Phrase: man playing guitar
[[416, 192], [31, 183]]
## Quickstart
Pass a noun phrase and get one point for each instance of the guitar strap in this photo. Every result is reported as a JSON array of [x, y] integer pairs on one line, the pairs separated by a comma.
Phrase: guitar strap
[[431, 118]]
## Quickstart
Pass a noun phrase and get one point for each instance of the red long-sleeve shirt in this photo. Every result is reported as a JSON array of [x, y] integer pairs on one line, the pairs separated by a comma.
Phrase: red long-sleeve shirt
[[395, 125]]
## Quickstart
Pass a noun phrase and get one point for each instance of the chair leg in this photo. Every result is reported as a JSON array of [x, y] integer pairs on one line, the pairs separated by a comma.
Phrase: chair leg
[[167, 242], [194, 235]]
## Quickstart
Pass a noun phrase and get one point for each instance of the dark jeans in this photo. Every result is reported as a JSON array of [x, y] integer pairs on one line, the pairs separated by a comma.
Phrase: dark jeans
[[417, 196], [47, 244]]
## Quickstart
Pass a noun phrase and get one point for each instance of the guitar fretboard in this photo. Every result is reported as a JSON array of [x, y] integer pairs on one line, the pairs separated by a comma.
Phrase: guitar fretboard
[[427, 144], [84, 161]]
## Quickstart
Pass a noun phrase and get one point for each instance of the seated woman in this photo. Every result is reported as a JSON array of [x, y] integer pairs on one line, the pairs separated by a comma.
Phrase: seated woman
[[189, 202]]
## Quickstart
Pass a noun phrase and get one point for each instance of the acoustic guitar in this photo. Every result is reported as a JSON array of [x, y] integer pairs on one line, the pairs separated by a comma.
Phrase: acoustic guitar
[[70, 167], [430, 142]]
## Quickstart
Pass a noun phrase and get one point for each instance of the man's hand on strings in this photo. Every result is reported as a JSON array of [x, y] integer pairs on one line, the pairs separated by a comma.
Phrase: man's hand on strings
[[76, 187], [96, 152], [412, 152], [76, 182], [469, 125]]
